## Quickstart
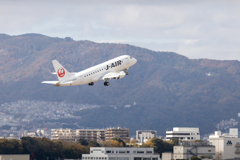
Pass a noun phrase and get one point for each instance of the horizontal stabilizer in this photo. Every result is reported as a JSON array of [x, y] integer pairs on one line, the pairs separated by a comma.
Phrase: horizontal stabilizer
[[50, 82]]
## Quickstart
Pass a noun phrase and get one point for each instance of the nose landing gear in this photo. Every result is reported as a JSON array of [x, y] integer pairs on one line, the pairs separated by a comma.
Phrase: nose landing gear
[[106, 83]]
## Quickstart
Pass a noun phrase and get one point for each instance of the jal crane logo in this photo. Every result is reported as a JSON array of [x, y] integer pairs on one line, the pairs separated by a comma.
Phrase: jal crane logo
[[61, 72]]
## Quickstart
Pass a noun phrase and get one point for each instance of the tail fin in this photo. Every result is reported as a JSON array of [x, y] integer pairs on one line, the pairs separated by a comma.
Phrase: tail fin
[[62, 73]]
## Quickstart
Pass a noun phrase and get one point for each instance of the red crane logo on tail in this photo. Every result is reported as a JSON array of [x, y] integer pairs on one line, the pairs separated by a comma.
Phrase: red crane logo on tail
[[61, 72]]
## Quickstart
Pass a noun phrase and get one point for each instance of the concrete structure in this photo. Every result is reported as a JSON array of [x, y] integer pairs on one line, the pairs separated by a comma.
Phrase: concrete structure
[[167, 156], [10, 137], [63, 135], [120, 153], [187, 150], [142, 135], [123, 134], [97, 135], [183, 133], [14, 156], [227, 145]]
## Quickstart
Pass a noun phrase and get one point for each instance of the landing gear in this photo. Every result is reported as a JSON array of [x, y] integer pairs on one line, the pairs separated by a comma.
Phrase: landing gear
[[126, 71], [106, 83], [91, 84]]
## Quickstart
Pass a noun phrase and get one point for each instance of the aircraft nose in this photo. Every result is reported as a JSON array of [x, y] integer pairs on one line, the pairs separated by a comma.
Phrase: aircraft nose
[[134, 60]]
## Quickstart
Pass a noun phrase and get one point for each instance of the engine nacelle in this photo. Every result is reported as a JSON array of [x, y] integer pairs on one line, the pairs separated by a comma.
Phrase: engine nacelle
[[121, 74]]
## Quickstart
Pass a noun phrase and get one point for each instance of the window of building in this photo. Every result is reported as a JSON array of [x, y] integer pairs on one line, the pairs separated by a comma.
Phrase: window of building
[[108, 151], [137, 158], [146, 158], [99, 157], [154, 158], [134, 151], [149, 151], [96, 157], [127, 151], [116, 151], [140, 151], [209, 150], [91, 151], [91, 157], [88, 157], [112, 151], [122, 158]]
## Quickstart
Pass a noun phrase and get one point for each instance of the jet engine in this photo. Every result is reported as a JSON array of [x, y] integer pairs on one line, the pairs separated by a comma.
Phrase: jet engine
[[121, 75]]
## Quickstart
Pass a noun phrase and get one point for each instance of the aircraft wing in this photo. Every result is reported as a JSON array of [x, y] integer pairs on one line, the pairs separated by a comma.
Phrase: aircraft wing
[[113, 75]]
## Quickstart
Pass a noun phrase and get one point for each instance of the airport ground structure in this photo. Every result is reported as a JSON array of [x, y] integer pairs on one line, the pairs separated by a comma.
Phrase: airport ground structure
[[120, 153]]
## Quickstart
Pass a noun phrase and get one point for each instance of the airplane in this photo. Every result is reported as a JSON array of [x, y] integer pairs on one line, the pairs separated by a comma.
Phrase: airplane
[[115, 68]]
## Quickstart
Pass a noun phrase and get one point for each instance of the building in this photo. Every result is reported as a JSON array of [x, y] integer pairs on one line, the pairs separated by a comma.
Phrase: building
[[142, 135], [167, 156], [120, 153], [120, 133], [69, 135], [187, 150], [63, 135], [183, 133], [97, 135], [227, 145], [14, 156]]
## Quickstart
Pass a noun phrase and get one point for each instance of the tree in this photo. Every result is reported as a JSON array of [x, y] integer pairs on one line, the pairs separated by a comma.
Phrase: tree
[[93, 144], [133, 143], [120, 141], [159, 145], [195, 158], [175, 141], [83, 142], [199, 140]]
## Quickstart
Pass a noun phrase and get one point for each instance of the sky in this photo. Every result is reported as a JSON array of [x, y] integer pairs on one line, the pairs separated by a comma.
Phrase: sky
[[193, 28]]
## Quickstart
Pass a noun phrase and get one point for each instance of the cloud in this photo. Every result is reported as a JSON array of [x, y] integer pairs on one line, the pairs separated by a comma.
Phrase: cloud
[[196, 29]]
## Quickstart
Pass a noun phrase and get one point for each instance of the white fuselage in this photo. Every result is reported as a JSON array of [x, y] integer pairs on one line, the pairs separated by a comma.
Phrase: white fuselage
[[95, 73]]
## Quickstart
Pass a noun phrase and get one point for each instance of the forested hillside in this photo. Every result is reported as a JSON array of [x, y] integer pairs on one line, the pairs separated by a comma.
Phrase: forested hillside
[[167, 89]]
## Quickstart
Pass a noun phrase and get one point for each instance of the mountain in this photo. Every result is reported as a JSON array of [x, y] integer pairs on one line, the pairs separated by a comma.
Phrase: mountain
[[168, 89]]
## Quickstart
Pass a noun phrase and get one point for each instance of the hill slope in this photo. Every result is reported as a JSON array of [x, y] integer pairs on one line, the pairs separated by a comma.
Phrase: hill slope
[[169, 89]]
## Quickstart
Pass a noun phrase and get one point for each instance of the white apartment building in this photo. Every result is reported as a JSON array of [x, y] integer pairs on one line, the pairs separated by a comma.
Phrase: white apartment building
[[120, 153], [143, 135], [63, 134], [183, 133], [97, 135], [227, 145]]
